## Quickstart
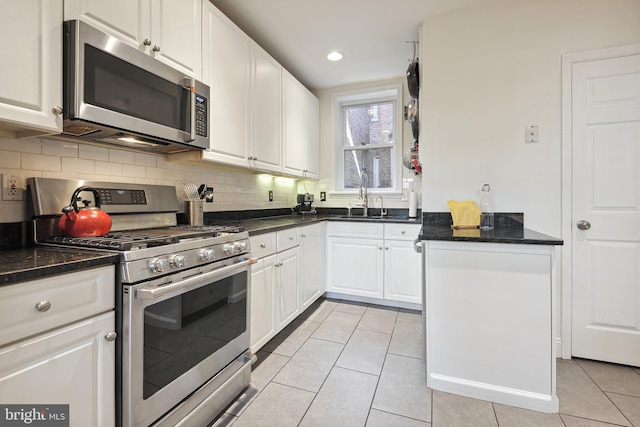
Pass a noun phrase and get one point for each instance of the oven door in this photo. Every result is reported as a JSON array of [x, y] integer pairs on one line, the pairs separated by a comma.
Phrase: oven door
[[178, 332]]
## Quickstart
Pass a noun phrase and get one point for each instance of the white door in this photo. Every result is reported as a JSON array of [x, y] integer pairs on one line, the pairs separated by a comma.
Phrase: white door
[[288, 285], [263, 302], [606, 195], [401, 272]]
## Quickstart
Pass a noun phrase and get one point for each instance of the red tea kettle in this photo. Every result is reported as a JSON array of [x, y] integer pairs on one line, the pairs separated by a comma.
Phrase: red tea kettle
[[85, 221]]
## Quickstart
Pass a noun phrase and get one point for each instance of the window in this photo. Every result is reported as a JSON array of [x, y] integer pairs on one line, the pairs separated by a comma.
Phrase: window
[[368, 140]]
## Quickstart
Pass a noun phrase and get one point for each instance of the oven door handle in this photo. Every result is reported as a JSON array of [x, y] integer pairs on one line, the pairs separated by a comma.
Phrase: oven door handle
[[150, 294]]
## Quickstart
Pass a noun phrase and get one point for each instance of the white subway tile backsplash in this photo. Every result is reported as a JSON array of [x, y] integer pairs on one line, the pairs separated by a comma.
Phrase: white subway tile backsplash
[[107, 168], [60, 175], [145, 159], [94, 153], [59, 148], [161, 162], [78, 165], [156, 173], [121, 156], [9, 159], [40, 162], [144, 181], [23, 145], [134, 171]]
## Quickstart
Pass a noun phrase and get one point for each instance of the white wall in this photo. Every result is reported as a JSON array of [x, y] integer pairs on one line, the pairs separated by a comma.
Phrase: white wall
[[328, 145], [488, 73], [234, 188]]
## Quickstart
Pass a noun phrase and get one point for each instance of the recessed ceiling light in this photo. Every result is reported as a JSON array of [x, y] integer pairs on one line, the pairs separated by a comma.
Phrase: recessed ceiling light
[[334, 56]]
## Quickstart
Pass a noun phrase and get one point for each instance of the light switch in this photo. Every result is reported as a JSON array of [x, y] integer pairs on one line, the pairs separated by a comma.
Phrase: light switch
[[531, 133]]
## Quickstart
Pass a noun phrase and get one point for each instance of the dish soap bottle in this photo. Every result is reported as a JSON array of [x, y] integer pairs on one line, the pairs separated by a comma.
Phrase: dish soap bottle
[[486, 209]]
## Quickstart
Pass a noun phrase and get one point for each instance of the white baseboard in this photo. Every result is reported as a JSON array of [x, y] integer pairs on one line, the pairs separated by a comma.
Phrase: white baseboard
[[388, 303], [492, 393]]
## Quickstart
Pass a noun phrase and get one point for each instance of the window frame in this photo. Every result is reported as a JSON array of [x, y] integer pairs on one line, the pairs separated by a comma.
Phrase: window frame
[[387, 93]]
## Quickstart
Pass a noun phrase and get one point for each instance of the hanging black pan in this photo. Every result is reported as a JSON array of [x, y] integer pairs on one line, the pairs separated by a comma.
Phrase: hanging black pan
[[413, 78]]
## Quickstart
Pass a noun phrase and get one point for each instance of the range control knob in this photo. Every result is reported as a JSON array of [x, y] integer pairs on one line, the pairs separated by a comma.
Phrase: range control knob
[[229, 249], [241, 246], [207, 254], [159, 265], [178, 261]]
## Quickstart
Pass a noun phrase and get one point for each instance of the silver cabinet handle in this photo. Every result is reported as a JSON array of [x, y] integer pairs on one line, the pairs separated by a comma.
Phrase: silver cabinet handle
[[380, 248], [583, 225], [403, 232], [303, 235], [417, 245], [146, 42], [290, 238], [386, 248], [43, 306], [156, 48], [111, 336], [57, 110], [262, 245]]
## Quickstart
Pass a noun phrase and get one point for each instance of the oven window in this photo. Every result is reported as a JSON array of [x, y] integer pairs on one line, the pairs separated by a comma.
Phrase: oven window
[[117, 85], [182, 331]]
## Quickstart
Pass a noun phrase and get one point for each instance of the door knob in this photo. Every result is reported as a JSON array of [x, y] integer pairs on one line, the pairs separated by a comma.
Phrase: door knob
[[583, 225]]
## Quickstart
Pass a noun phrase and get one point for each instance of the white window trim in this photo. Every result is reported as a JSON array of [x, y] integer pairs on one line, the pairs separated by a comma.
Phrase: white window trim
[[373, 94]]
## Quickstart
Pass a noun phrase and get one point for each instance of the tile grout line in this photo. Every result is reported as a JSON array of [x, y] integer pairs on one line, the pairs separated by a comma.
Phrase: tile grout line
[[604, 393]]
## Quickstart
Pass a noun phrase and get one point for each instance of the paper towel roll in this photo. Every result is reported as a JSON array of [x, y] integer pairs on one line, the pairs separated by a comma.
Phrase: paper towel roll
[[413, 204]]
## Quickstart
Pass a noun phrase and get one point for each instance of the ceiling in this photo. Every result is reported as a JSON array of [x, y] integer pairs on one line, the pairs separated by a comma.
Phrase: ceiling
[[372, 34]]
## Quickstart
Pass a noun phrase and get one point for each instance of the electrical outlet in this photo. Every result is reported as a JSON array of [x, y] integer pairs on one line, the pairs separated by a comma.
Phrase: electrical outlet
[[323, 196], [271, 195], [531, 133], [12, 187]]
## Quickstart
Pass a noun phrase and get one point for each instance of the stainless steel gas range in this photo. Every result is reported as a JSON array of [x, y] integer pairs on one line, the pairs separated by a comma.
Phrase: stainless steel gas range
[[182, 293]]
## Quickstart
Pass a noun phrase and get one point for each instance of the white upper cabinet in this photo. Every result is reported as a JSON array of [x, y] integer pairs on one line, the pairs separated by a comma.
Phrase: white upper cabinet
[[300, 129], [312, 147], [168, 30], [294, 132], [226, 66], [265, 134], [31, 74]]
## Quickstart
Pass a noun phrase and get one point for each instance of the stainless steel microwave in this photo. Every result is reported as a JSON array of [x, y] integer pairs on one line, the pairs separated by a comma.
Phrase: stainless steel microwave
[[116, 94]]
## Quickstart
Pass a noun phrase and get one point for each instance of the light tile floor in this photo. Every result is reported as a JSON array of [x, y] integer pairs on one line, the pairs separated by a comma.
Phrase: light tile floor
[[348, 364]]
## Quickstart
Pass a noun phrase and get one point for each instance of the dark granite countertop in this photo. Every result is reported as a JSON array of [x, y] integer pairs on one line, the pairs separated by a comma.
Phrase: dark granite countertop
[[508, 229], [257, 226], [32, 263]]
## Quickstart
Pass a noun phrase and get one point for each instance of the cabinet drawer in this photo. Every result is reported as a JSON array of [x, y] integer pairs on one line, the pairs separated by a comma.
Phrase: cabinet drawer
[[401, 231], [288, 239], [72, 297], [263, 245], [352, 229]]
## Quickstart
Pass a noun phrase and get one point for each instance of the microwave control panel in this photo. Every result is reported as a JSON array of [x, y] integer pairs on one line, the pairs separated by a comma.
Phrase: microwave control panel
[[201, 116]]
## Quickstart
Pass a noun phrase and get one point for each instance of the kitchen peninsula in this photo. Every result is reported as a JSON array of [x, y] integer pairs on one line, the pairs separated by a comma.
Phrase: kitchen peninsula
[[489, 311]]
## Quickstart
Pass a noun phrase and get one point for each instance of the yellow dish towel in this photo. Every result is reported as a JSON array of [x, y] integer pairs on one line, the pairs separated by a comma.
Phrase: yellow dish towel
[[464, 214]]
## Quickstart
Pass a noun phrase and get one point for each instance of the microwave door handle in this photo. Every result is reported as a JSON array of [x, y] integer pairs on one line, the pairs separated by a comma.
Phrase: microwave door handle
[[150, 294], [190, 84]]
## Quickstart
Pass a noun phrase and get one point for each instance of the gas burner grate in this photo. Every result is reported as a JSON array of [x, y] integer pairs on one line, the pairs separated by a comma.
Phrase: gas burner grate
[[212, 230], [120, 241]]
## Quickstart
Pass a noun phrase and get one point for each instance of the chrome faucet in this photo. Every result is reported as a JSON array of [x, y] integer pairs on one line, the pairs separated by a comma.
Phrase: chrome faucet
[[364, 195], [382, 211]]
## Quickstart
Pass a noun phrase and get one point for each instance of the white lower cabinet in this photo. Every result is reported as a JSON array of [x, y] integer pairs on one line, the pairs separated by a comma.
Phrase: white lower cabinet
[[374, 260], [288, 286], [312, 263], [275, 284], [58, 344], [263, 302]]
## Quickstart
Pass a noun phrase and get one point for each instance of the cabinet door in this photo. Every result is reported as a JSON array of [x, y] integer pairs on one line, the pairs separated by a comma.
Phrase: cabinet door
[[226, 71], [293, 107], [127, 20], [176, 32], [288, 280], [312, 263], [31, 74], [312, 146], [263, 302], [355, 266], [74, 365], [402, 272], [265, 111]]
